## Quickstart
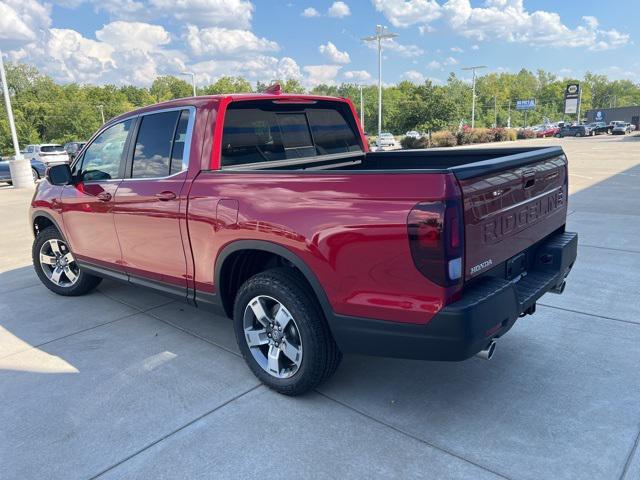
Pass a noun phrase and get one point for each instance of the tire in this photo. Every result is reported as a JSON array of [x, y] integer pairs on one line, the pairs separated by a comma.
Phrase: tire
[[282, 296], [578, 134], [36, 175], [72, 281]]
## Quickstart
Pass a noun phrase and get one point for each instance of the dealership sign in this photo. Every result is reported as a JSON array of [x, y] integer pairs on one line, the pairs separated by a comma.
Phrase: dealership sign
[[599, 117], [525, 104], [572, 98]]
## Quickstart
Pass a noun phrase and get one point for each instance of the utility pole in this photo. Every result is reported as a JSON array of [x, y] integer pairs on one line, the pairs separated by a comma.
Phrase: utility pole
[[509, 117], [361, 108], [19, 167], [495, 111], [101, 108], [193, 81], [473, 90], [381, 34]]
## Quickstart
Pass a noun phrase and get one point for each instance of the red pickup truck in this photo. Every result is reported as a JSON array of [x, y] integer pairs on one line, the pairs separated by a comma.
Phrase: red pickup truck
[[269, 209]]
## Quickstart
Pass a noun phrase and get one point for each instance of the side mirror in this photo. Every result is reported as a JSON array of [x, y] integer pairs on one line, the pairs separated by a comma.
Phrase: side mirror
[[60, 174]]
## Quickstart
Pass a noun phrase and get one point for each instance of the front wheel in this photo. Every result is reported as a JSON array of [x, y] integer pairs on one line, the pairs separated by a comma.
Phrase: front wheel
[[56, 266], [282, 333], [35, 174]]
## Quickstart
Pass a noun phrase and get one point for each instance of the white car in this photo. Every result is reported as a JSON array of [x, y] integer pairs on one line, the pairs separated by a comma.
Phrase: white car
[[412, 134], [386, 139], [47, 153], [620, 128]]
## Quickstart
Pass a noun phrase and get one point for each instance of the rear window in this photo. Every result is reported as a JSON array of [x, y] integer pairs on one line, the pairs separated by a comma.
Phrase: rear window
[[52, 148], [256, 132]]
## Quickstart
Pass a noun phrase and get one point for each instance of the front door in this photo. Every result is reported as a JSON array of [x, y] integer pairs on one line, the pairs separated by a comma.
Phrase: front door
[[87, 206], [150, 202]]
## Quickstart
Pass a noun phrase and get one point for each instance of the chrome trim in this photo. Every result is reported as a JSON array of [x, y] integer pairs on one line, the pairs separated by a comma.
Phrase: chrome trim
[[293, 161]]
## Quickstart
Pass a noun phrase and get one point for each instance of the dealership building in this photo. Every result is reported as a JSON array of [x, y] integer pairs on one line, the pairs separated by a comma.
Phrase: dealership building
[[624, 114]]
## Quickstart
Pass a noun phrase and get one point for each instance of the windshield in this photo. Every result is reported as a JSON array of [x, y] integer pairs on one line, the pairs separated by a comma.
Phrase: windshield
[[52, 148]]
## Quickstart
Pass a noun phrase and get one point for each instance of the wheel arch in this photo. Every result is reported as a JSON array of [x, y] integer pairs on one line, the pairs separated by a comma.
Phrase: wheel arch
[[41, 220], [229, 256]]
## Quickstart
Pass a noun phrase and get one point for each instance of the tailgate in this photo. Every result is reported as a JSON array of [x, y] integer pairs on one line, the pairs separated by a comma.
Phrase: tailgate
[[511, 208]]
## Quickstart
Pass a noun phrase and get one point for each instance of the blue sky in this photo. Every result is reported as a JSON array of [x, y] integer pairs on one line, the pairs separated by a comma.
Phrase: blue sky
[[315, 41]]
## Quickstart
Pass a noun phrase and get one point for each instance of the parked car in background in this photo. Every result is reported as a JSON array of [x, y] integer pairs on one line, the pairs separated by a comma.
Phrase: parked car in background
[[547, 131], [270, 209], [73, 148], [632, 127], [413, 134], [620, 128], [47, 153], [38, 170], [597, 128], [574, 131], [386, 139]]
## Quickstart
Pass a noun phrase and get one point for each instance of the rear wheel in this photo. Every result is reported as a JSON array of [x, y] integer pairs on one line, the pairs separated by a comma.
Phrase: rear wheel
[[282, 333], [56, 266], [35, 174]]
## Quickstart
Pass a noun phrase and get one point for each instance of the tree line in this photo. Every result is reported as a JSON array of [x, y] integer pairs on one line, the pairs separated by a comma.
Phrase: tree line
[[46, 111]]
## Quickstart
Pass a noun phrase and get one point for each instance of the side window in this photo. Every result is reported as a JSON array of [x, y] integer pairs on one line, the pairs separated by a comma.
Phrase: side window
[[160, 145], [103, 157], [30, 149]]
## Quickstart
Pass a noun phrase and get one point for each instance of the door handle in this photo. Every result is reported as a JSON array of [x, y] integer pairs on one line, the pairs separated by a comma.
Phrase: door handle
[[166, 196], [104, 196]]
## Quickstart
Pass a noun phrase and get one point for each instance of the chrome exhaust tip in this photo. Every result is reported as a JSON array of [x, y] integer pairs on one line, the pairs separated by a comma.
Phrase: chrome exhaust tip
[[558, 289], [488, 352]]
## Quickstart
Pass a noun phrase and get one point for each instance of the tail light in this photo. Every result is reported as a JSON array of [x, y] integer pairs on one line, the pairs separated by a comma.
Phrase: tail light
[[435, 238]]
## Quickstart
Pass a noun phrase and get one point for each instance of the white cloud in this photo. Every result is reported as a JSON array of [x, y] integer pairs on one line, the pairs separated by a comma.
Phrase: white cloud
[[256, 68], [508, 20], [414, 76], [392, 45], [339, 10], [220, 41], [402, 13], [434, 65], [358, 76], [317, 74], [310, 12], [220, 13], [331, 53], [456, 50], [475, 47], [133, 35], [22, 21], [424, 29], [450, 61], [501, 19]]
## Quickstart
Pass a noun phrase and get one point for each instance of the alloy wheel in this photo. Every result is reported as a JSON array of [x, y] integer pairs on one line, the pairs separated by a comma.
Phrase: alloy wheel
[[58, 263], [272, 336]]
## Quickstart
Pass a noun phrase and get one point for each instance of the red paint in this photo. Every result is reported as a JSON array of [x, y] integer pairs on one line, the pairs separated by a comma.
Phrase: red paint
[[349, 229]]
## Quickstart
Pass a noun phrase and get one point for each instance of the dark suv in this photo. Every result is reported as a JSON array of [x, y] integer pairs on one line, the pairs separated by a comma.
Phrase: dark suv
[[574, 131], [73, 148]]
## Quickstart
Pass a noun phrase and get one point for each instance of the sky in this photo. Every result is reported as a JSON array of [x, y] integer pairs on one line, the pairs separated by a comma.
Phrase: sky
[[318, 41]]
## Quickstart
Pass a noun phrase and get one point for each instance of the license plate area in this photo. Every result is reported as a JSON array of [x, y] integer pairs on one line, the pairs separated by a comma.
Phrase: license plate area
[[516, 265]]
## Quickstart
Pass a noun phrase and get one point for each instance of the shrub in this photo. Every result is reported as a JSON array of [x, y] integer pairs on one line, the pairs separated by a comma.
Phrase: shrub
[[443, 138], [411, 143], [482, 135], [511, 135], [524, 133], [463, 137]]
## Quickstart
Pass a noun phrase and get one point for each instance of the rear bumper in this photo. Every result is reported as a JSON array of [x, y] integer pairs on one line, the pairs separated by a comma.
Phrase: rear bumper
[[487, 310]]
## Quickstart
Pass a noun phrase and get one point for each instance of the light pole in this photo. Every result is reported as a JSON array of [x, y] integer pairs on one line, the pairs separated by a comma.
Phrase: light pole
[[101, 108], [19, 167], [193, 81], [473, 88], [381, 33]]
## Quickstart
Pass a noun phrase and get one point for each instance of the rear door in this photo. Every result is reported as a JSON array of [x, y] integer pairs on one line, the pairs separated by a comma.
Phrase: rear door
[[147, 207], [507, 211]]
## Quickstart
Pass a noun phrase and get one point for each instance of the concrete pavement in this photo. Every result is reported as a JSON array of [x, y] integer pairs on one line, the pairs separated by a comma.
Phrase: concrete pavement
[[124, 383]]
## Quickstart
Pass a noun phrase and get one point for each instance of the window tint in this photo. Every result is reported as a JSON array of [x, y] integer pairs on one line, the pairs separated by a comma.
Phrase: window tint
[[52, 148], [160, 146], [178, 160], [102, 158], [152, 155], [278, 132]]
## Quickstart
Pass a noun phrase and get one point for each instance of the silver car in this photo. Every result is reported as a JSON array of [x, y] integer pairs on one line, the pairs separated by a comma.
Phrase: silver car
[[47, 153]]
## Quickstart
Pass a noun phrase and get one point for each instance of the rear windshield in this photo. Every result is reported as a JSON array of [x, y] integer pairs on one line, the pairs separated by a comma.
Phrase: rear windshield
[[51, 148], [265, 131]]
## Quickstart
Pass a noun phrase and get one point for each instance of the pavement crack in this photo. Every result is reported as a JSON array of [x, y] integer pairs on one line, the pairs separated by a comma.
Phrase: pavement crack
[[412, 436], [609, 248], [173, 432], [590, 314], [627, 465]]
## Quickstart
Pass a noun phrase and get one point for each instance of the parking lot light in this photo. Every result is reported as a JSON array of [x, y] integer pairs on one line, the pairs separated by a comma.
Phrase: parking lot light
[[473, 90], [20, 168]]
